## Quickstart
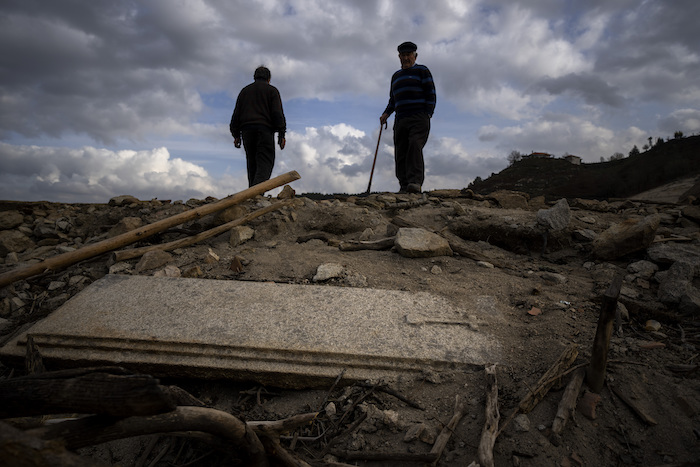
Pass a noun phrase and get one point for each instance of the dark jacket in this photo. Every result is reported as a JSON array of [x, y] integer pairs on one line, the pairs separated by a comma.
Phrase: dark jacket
[[258, 105]]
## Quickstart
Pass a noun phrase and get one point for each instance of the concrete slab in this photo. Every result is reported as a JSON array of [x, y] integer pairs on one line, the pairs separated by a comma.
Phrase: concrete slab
[[279, 334]]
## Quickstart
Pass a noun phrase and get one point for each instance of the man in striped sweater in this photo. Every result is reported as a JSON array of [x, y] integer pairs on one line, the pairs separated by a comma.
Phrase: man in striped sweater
[[412, 97]]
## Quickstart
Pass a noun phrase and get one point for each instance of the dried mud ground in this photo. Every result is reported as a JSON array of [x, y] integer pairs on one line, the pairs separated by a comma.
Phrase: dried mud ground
[[564, 284]]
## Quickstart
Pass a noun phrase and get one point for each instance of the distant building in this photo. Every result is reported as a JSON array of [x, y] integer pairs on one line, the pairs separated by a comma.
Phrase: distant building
[[539, 155], [573, 159]]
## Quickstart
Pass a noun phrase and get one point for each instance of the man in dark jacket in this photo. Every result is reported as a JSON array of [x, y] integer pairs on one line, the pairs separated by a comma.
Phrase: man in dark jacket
[[412, 97], [256, 118]]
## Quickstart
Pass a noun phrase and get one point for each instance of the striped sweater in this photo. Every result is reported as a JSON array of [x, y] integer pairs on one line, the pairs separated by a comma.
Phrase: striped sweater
[[412, 92]]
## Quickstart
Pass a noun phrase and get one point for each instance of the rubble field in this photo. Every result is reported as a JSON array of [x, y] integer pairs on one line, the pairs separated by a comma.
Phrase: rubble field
[[549, 263]]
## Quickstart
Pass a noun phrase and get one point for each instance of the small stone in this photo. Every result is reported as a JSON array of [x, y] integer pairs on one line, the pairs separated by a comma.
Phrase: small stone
[[153, 260], [428, 435], [55, 285], [414, 432], [236, 264], [485, 264], [240, 234], [331, 409], [287, 193], [652, 325], [366, 234], [211, 258], [522, 423], [419, 243], [127, 224], [193, 272], [328, 271]]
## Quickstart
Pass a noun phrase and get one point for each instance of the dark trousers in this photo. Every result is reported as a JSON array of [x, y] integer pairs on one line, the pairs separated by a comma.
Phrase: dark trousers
[[259, 145], [410, 135]]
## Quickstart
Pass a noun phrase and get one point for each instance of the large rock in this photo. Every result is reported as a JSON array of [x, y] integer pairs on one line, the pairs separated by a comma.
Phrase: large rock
[[240, 234], [419, 243], [627, 237], [692, 212], [230, 214], [152, 260], [123, 200], [125, 225], [10, 220], [670, 252], [555, 218], [510, 199], [676, 283], [514, 230], [14, 241]]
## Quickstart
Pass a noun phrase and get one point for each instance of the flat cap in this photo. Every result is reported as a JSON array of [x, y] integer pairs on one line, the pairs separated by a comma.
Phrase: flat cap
[[407, 47]]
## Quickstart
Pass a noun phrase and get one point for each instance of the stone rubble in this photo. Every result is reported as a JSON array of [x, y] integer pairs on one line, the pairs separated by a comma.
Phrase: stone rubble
[[655, 247]]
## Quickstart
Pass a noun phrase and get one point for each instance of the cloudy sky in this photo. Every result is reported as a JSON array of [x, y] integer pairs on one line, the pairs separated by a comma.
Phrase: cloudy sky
[[102, 98]]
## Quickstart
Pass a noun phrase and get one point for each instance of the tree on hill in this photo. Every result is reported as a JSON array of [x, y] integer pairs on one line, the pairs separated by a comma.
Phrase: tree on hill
[[514, 157], [634, 151]]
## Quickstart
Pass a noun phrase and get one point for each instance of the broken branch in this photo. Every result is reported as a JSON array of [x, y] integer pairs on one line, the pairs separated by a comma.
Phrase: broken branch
[[89, 251], [568, 401], [183, 242], [448, 429], [383, 244]]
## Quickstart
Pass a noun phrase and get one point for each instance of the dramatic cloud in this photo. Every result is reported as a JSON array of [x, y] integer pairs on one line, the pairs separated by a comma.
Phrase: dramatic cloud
[[107, 82], [95, 175]]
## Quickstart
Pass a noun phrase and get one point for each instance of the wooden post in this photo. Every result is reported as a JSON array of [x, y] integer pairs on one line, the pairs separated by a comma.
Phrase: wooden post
[[490, 430], [595, 374], [89, 251]]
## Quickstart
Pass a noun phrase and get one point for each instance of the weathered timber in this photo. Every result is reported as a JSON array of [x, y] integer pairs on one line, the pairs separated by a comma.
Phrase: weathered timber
[[645, 417], [446, 433], [408, 204], [490, 430], [89, 251], [567, 405], [595, 374], [95, 392], [548, 380], [545, 383], [96, 429], [276, 427], [123, 255], [382, 244]]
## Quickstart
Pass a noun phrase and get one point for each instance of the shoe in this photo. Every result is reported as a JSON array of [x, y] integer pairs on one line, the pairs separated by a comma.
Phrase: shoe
[[413, 188], [401, 191]]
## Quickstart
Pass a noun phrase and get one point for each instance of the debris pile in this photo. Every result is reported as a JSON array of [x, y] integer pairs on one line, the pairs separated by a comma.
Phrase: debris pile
[[601, 325]]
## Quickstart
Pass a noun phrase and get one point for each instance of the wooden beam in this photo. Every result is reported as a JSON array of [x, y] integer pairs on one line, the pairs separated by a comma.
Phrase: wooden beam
[[595, 374], [89, 251]]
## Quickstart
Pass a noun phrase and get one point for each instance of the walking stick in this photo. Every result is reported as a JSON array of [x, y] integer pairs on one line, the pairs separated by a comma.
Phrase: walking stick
[[371, 174]]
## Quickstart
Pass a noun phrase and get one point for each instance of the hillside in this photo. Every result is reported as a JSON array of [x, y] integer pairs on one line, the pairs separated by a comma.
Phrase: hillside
[[557, 178]]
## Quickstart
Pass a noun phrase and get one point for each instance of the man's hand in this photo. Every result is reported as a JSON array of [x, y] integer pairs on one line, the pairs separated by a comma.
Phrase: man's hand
[[282, 142], [237, 142], [383, 119]]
